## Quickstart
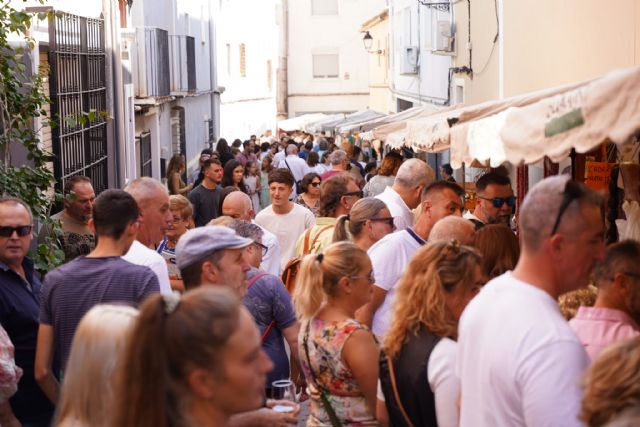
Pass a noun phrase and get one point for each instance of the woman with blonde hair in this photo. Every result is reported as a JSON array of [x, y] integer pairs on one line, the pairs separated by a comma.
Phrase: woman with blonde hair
[[193, 360], [175, 169], [337, 352], [182, 220], [368, 221], [418, 384], [87, 396], [499, 249], [612, 384]]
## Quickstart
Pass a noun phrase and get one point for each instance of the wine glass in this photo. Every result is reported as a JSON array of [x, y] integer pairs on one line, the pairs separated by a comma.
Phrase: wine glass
[[283, 390]]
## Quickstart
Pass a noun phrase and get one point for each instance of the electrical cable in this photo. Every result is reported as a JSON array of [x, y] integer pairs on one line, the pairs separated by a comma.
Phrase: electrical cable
[[495, 40]]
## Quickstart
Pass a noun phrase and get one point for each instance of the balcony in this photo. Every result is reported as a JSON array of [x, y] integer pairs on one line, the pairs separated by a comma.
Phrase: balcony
[[149, 54], [183, 65]]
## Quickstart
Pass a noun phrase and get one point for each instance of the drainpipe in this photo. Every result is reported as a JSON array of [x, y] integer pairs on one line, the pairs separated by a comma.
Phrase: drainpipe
[[213, 75], [282, 97], [112, 36]]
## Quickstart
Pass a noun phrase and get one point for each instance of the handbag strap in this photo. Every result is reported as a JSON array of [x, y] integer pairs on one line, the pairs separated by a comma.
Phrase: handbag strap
[[307, 248], [331, 413], [251, 281], [396, 395]]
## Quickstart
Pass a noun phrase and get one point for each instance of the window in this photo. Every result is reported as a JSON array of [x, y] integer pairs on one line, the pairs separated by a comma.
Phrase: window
[[269, 76], [324, 7], [243, 61], [326, 66]]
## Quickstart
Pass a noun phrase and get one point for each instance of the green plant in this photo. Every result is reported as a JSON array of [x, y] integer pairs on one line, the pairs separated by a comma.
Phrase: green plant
[[22, 99]]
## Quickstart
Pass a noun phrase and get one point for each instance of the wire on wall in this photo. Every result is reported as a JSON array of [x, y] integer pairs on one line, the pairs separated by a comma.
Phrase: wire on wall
[[495, 40]]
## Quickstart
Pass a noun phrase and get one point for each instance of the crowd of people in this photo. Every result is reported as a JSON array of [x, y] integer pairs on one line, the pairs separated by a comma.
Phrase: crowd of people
[[296, 270]]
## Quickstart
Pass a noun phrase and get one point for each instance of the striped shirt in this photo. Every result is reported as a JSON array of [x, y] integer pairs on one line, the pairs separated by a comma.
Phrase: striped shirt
[[72, 289]]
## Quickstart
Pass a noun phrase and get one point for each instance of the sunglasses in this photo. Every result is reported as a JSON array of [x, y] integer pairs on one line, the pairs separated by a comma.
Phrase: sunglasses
[[497, 202], [371, 278], [573, 190], [358, 194], [387, 220], [315, 184], [22, 230]]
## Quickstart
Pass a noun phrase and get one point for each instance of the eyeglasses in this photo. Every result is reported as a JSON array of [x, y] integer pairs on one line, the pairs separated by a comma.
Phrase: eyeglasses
[[315, 184], [371, 278], [497, 202], [264, 248], [358, 194], [22, 230], [387, 220], [572, 191]]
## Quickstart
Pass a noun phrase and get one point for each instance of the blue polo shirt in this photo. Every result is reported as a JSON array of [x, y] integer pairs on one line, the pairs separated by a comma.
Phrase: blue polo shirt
[[19, 311]]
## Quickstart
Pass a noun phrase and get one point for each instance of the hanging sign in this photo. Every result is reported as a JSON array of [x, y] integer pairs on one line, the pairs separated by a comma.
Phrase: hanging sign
[[598, 175]]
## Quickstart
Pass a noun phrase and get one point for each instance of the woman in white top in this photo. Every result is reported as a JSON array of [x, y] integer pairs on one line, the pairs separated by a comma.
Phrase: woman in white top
[[419, 349]]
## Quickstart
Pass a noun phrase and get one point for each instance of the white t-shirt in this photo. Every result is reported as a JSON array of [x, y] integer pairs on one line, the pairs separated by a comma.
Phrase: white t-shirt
[[298, 166], [443, 382], [402, 215], [390, 257], [519, 362], [277, 158], [286, 227], [271, 261], [141, 255]]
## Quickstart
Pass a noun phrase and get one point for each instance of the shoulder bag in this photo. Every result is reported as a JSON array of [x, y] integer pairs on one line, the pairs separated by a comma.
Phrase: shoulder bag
[[331, 413]]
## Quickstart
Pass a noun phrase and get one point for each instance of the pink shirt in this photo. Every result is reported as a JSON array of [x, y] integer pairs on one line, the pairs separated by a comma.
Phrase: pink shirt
[[597, 328]]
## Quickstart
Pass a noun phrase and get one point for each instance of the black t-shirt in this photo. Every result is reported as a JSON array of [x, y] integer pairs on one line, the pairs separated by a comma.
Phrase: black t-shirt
[[205, 204]]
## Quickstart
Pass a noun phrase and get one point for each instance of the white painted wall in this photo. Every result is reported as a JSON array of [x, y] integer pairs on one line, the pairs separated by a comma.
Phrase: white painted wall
[[410, 24], [190, 18], [248, 105], [310, 34]]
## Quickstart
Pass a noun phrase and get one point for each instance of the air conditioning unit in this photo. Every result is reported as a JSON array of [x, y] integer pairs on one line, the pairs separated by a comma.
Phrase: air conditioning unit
[[444, 37], [409, 60], [147, 49]]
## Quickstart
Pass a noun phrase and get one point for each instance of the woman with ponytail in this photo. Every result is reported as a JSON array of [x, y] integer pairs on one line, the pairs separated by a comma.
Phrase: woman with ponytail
[[191, 361], [338, 354], [418, 384], [368, 222]]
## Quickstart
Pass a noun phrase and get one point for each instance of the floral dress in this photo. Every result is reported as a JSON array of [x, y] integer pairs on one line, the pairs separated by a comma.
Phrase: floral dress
[[325, 343]]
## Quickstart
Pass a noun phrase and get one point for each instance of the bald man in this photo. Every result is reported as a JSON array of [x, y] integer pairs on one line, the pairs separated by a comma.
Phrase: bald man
[[413, 176], [453, 228], [237, 205]]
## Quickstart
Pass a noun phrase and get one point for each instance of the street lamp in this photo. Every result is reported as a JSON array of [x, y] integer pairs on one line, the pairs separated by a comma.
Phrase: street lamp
[[368, 41]]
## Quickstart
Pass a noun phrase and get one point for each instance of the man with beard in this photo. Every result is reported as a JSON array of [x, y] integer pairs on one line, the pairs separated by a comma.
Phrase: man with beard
[[494, 201], [77, 239]]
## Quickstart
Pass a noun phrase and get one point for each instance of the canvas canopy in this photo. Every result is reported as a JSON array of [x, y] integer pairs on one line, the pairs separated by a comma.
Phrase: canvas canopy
[[528, 127]]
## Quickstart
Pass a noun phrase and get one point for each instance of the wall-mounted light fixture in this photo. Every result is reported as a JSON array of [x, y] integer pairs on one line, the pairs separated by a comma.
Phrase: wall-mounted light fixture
[[367, 40]]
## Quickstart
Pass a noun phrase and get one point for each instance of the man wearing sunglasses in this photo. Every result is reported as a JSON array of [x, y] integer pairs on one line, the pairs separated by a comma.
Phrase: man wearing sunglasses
[[519, 362], [338, 194], [494, 201], [20, 290], [615, 315]]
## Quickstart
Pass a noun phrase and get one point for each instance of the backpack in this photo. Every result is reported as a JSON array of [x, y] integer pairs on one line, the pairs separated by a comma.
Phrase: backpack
[[293, 265]]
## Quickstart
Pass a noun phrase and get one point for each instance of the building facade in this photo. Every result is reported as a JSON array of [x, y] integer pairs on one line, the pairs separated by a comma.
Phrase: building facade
[[327, 63], [248, 46]]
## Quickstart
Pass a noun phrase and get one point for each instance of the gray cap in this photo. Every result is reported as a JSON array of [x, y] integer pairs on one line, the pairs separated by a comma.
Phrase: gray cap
[[197, 244]]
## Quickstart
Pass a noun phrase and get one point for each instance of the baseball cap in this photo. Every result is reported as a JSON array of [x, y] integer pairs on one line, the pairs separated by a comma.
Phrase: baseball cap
[[198, 243]]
